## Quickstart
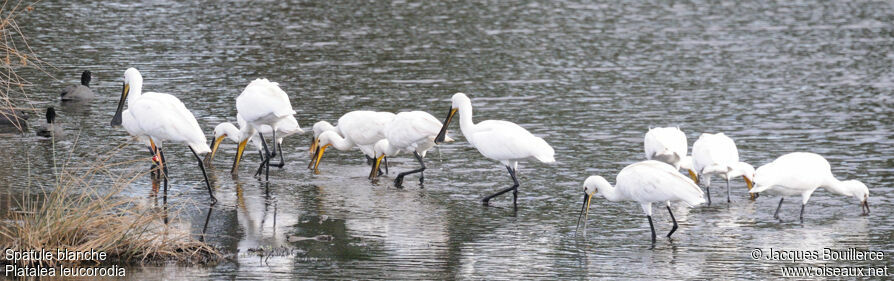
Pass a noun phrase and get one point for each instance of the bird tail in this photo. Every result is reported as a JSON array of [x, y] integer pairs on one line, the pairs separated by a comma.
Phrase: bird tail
[[200, 148], [544, 153]]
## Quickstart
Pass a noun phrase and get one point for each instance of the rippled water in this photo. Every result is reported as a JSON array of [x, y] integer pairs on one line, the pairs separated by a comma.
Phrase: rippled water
[[589, 78]]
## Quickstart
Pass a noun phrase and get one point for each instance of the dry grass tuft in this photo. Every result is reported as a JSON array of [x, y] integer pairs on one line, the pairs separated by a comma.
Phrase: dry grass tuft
[[79, 215], [15, 54]]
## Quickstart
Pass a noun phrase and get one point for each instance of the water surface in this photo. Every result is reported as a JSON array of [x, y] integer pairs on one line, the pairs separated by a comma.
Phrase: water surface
[[590, 78]]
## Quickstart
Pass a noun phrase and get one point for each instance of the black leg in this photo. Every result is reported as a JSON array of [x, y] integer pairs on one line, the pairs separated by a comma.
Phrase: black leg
[[514, 190], [261, 166], [727, 191], [282, 162], [164, 208], [651, 226], [708, 191], [154, 171], [266, 159], [400, 177], [776, 214], [164, 168], [675, 222], [514, 187], [202, 167], [386, 165], [802, 212]]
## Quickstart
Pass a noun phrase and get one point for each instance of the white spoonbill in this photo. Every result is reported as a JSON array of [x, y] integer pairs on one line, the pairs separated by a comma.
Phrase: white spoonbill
[[716, 154], [669, 145], [262, 103], [356, 128], [801, 173], [498, 140], [154, 118], [644, 182], [409, 131], [322, 126], [79, 92], [229, 131]]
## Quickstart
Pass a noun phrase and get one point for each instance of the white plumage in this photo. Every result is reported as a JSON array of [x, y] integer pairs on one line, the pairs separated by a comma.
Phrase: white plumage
[[716, 154], [263, 103], [288, 126], [154, 118], [356, 128], [666, 145], [645, 182], [414, 132], [801, 173], [499, 140]]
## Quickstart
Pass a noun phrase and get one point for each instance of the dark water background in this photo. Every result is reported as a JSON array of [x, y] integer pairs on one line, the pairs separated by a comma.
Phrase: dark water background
[[590, 78]]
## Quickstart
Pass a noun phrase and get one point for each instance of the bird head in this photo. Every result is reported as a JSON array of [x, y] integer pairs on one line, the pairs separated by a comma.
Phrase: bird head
[[746, 171], [859, 191], [324, 142], [132, 78], [591, 188], [51, 115], [381, 149], [223, 130], [319, 128], [457, 100], [85, 78]]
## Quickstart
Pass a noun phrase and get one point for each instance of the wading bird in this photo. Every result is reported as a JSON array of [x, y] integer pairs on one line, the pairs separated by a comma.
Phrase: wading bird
[[644, 182], [716, 154], [262, 103], [231, 132], [51, 128], [409, 131], [669, 145], [498, 140], [801, 173], [356, 128], [79, 92], [154, 118]]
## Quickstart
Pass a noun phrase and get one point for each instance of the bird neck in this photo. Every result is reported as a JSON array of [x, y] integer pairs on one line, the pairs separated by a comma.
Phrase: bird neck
[[336, 140], [384, 147], [136, 90], [51, 116], [321, 127], [232, 132], [838, 187], [246, 132], [610, 192], [465, 117], [85, 79]]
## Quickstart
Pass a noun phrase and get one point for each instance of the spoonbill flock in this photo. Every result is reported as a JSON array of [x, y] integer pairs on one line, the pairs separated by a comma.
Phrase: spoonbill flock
[[263, 108]]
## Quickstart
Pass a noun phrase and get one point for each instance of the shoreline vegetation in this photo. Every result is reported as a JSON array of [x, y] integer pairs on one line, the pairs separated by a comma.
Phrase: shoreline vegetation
[[81, 216], [15, 55], [83, 210]]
